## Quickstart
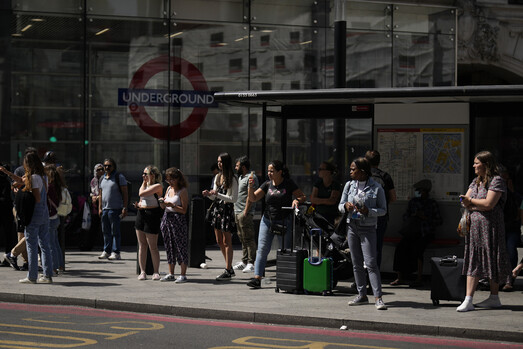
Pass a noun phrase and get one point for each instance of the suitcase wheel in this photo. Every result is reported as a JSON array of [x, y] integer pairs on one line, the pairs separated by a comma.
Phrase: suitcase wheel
[[277, 290], [435, 302]]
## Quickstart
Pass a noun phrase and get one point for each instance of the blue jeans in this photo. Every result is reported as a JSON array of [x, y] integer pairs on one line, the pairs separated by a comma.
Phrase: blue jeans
[[37, 234], [265, 238], [362, 245], [56, 251], [111, 230]]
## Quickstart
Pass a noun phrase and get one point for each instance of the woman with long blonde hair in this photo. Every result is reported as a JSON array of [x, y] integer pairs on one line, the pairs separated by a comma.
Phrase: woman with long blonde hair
[[148, 220], [37, 232]]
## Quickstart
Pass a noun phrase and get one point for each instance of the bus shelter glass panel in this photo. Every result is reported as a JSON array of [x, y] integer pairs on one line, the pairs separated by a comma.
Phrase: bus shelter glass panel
[[358, 139], [284, 58]]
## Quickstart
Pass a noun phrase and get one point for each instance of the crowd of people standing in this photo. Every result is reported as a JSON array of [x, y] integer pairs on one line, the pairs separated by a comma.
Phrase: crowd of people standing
[[362, 206]]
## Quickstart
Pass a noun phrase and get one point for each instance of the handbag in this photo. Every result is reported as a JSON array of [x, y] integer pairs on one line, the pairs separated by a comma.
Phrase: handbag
[[209, 213], [86, 218], [464, 223], [278, 229]]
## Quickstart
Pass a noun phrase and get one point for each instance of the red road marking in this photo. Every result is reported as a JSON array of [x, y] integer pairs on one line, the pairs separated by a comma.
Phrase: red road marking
[[273, 328]]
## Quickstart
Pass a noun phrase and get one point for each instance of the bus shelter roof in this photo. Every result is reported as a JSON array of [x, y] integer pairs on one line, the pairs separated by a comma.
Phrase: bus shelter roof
[[479, 94]]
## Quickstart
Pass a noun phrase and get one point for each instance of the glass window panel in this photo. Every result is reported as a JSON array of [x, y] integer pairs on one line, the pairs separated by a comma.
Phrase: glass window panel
[[424, 19], [287, 12], [61, 6], [230, 10], [284, 55], [135, 8], [368, 59], [367, 15], [45, 31], [423, 60]]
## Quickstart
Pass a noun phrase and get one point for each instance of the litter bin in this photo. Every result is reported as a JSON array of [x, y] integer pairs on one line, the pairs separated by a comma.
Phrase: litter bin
[[197, 231]]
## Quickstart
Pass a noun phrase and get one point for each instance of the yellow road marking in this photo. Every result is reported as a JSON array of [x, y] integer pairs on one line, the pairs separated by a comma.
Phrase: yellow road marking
[[109, 336], [83, 341], [246, 343]]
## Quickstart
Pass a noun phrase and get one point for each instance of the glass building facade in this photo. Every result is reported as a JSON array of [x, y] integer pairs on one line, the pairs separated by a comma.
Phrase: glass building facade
[[133, 79]]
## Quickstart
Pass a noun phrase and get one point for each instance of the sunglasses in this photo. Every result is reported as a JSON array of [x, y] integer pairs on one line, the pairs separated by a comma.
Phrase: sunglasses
[[108, 166], [145, 174], [99, 169]]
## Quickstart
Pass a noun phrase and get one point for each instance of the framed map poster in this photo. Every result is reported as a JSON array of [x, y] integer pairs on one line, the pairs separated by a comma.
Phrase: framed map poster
[[412, 154]]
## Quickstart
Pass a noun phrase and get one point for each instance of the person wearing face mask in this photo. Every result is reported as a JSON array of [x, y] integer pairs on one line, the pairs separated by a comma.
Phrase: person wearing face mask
[[420, 221]]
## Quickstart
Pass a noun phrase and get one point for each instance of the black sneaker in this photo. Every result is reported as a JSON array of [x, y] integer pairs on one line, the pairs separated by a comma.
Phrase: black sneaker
[[225, 276], [12, 260], [231, 272], [254, 283], [24, 267]]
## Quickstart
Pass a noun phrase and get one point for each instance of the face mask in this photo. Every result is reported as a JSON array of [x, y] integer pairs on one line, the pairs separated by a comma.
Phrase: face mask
[[417, 194]]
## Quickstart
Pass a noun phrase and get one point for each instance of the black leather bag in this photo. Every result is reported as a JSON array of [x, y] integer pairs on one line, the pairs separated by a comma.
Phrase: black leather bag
[[278, 229], [208, 214]]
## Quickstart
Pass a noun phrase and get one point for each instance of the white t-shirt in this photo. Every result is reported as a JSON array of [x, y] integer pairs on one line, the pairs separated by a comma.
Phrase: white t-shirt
[[37, 182]]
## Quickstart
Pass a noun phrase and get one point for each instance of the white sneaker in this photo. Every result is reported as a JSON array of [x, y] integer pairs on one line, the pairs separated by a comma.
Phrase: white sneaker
[[249, 268], [114, 256], [239, 266], [181, 279], [380, 305], [490, 302], [465, 306], [104, 255], [168, 277]]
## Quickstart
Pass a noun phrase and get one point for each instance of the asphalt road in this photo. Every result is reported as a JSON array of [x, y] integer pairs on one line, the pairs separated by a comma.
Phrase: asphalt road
[[36, 326]]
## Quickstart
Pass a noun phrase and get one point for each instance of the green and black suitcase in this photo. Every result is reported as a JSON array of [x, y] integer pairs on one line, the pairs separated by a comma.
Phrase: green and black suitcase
[[317, 271]]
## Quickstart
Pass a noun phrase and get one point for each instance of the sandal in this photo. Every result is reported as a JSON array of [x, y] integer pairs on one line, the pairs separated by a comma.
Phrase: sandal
[[507, 288], [142, 276], [397, 282]]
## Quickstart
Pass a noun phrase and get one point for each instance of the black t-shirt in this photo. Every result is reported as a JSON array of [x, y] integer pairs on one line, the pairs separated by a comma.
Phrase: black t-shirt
[[277, 197]]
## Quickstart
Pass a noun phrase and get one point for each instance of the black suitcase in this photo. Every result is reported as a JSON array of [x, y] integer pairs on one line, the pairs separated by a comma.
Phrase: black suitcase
[[289, 266], [447, 281]]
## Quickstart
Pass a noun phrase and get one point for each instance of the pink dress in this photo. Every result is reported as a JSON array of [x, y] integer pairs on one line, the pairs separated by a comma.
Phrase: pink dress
[[485, 248]]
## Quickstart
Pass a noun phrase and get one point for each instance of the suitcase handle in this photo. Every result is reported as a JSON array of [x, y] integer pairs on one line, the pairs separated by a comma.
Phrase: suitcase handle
[[315, 260]]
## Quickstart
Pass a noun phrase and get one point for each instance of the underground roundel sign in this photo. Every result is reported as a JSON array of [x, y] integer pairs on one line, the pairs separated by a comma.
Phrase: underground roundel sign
[[137, 98]]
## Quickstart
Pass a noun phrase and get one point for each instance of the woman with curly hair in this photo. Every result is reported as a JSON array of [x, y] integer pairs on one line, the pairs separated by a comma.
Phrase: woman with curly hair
[[174, 224]]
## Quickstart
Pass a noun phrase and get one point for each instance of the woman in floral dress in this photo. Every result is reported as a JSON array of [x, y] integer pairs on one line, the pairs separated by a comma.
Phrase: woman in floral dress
[[485, 248], [225, 191]]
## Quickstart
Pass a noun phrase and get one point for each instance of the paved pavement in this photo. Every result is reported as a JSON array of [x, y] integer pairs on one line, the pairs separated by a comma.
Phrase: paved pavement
[[113, 285]]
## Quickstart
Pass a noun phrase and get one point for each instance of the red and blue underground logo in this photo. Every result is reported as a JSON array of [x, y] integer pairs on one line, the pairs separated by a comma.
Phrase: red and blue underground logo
[[137, 98]]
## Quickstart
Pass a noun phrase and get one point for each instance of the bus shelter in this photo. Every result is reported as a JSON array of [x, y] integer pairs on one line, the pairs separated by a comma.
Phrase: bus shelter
[[430, 133]]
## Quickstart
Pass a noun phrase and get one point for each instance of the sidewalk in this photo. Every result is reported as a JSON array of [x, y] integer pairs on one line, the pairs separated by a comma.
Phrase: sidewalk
[[113, 285]]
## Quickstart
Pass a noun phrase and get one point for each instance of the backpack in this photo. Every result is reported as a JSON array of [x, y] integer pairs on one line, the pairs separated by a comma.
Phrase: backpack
[[66, 204], [129, 187]]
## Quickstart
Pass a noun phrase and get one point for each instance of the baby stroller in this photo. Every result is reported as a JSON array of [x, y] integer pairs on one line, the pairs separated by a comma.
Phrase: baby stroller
[[333, 245]]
